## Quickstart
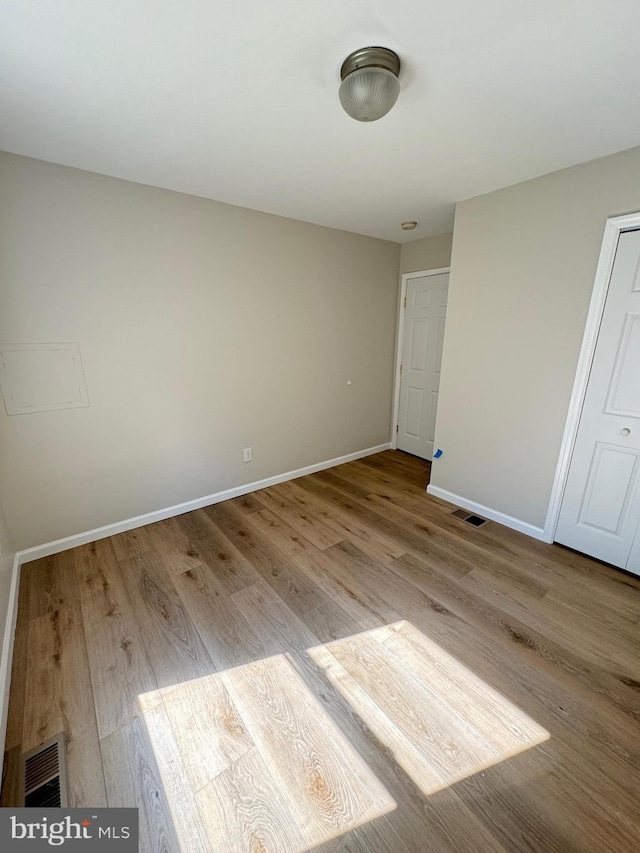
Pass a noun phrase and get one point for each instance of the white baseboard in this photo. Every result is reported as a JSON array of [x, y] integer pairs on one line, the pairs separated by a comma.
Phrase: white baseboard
[[487, 512], [6, 657], [68, 542]]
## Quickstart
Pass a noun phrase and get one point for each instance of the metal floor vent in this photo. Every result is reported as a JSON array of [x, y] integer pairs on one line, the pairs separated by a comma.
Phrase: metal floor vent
[[470, 518], [44, 775]]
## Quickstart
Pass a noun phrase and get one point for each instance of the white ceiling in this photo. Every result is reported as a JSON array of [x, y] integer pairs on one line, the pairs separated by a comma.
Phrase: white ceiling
[[239, 101]]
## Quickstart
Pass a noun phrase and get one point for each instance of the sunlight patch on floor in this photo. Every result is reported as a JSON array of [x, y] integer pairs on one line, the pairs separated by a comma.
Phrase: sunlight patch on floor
[[441, 721], [250, 760]]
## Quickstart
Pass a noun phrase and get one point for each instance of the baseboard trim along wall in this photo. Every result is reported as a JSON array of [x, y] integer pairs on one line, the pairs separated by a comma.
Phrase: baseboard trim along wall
[[487, 512], [68, 542]]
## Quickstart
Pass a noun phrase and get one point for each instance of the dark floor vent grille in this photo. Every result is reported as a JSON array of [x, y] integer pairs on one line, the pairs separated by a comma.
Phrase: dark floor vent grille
[[469, 517], [44, 775]]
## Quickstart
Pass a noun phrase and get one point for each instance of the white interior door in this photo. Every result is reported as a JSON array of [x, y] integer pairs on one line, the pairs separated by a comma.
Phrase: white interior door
[[424, 316], [600, 511]]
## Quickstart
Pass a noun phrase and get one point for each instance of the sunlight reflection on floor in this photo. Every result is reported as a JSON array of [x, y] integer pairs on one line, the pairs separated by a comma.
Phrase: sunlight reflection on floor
[[439, 719], [250, 760]]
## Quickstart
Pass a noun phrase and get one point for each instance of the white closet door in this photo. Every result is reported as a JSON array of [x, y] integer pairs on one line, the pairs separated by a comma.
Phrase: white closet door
[[600, 510], [421, 361]]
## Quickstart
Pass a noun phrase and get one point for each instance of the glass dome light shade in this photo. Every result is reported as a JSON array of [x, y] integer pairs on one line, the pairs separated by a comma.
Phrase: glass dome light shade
[[367, 94]]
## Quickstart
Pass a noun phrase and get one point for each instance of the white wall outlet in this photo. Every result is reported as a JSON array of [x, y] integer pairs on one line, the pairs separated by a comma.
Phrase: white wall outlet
[[248, 454]]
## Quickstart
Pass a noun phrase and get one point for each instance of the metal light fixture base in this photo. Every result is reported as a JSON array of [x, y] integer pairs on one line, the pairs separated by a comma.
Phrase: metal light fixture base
[[371, 57]]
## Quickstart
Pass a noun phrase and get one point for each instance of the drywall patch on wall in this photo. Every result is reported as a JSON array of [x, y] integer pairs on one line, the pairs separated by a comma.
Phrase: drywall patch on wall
[[42, 377]]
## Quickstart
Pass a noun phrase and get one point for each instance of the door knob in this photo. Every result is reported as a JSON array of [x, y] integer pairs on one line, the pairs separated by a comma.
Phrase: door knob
[[625, 431]]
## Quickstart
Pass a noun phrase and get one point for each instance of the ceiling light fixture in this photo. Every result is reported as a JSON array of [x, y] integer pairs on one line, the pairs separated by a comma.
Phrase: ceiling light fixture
[[369, 85], [409, 226]]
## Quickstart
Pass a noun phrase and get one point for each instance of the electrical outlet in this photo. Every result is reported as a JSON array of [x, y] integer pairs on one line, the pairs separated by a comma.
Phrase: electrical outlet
[[248, 454]]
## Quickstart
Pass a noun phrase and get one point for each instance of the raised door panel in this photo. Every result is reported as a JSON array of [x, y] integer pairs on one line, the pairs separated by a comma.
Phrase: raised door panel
[[414, 412], [624, 390], [439, 338], [610, 486], [419, 340], [433, 408], [421, 297]]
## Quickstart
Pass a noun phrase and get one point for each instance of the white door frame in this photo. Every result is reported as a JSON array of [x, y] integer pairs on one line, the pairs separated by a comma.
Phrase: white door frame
[[399, 342], [612, 230]]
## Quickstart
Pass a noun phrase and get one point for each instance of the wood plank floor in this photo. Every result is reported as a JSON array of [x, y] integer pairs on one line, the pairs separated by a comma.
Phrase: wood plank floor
[[337, 664]]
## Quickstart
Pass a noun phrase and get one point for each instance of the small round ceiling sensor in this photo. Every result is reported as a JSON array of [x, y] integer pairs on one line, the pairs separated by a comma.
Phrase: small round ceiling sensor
[[409, 226]]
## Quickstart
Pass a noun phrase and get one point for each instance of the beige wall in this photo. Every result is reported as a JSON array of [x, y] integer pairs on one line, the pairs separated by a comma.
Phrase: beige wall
[[429, 253], [522, 272], [204, 328]]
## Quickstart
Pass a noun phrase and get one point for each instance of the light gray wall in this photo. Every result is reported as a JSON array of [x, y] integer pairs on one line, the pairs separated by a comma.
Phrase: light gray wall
[[522, 272], [428, 253], [204, 328]]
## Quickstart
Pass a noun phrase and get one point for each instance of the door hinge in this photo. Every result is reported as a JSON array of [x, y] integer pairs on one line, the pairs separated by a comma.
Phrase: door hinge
[[400, 369], [405, 302], [397, 427]]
